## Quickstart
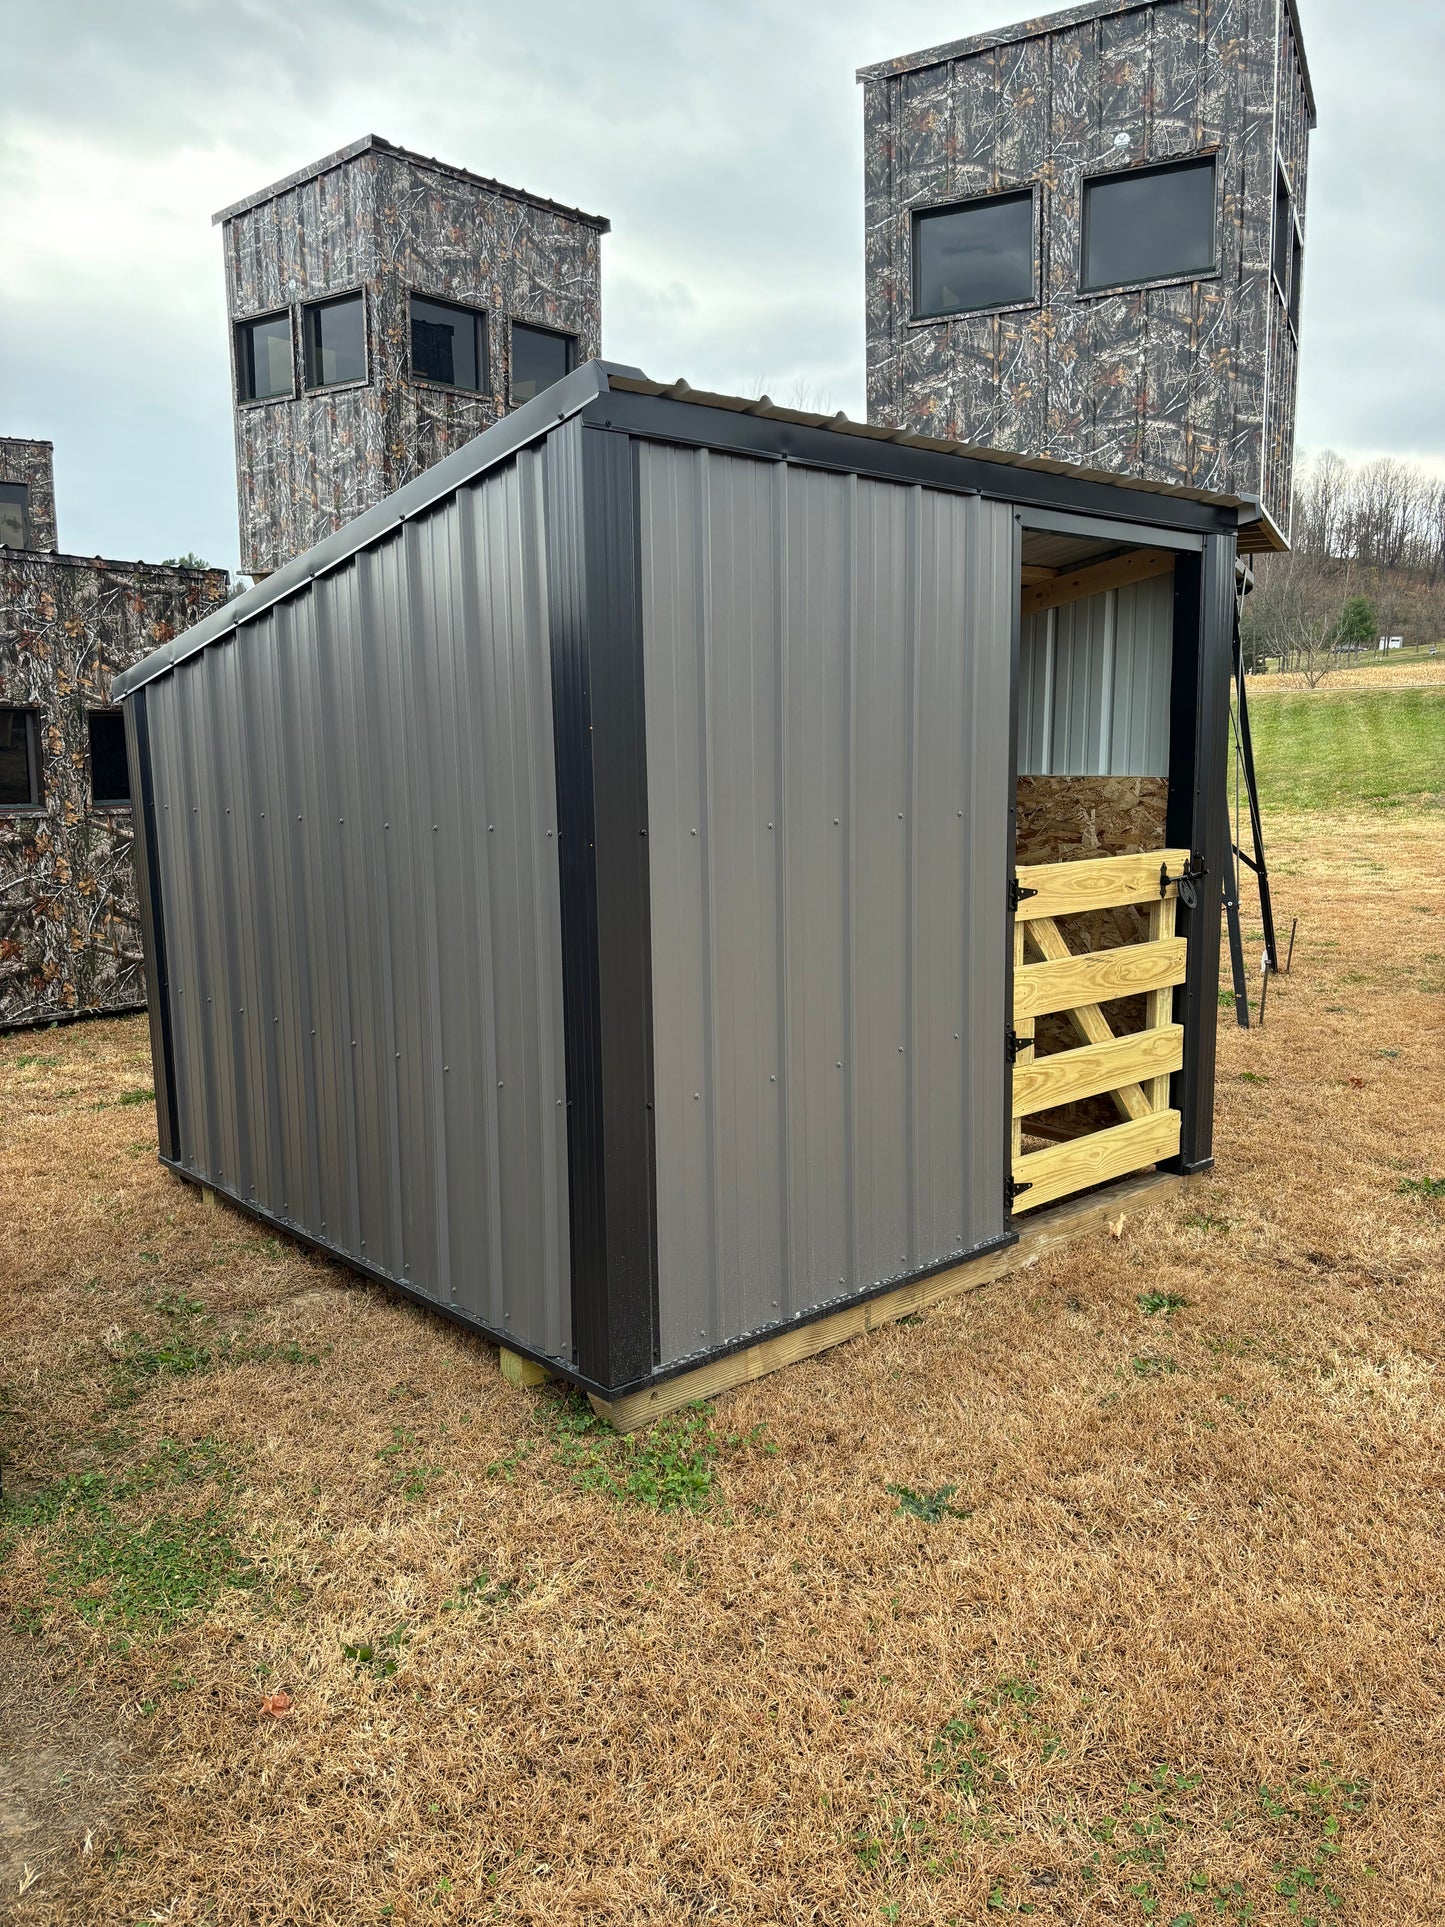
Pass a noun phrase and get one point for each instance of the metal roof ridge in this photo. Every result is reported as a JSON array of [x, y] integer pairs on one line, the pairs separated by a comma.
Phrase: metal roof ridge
[[368, 142]]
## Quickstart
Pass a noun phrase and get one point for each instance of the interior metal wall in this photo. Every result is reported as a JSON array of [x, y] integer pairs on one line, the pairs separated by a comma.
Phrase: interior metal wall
[[827, 692], [356, 860], [1094, 684]]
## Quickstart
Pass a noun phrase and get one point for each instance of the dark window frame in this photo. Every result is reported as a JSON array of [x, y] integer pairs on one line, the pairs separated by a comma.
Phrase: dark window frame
[[27, 527], [1296, 275], [1032, 300], [574, 350], [245, 363], [1282, 231], [98, 802], [310, 308], [35, 765], [480, 316], [1175, 277]]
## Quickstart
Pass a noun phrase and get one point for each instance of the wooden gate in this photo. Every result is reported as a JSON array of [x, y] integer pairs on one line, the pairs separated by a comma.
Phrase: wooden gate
[[1133, 1069]]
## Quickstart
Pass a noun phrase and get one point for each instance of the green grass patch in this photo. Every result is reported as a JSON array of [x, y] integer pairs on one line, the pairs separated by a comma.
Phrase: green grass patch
[[932, 1507], [111, 1568], [1422, 1187], [1337, 749], [187, 1344], [670, 1467]]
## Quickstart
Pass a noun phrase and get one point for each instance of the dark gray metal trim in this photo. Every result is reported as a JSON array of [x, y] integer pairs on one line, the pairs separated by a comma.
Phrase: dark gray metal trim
[[768, 437], [153, 926], [1063, 523], [1198, 820], [594, 566], [1016, 628]]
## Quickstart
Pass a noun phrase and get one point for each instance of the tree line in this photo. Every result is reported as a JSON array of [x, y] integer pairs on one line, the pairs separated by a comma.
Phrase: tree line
[[1368, 560]]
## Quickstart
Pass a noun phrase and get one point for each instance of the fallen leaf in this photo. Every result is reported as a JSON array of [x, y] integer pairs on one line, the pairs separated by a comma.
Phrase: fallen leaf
[[1116, 1226], [1357, 1083], [278, 1705]]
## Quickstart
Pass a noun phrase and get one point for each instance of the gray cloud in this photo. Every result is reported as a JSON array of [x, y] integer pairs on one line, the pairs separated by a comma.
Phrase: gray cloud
[[723, 140]]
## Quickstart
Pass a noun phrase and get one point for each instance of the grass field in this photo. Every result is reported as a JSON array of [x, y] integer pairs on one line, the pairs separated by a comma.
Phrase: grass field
[[1329, 749], [1107, 1594]]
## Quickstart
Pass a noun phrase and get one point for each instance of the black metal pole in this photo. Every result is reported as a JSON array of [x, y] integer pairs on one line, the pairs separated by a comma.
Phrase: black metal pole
[[1251, 787]]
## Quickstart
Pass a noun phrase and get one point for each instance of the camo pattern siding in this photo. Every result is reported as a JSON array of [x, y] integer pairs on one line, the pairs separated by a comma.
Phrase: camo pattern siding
[[69, 922], [1167, 381], [32, 464], [385, 223]]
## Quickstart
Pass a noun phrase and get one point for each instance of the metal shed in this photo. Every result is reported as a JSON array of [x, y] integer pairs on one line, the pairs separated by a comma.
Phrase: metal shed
[[582, 892]]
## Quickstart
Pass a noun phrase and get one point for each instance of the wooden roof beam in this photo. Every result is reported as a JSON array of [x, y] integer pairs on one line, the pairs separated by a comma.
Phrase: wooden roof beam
[[1138, 565]]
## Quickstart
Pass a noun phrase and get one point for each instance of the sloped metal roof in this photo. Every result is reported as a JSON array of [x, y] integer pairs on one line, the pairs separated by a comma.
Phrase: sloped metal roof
[[375, 141], [567, 398]]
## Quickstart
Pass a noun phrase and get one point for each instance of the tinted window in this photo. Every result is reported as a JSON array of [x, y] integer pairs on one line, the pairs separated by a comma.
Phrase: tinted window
[[978, 255], [336, 342], [1283, 230], [14, 521], [448, 344], [109, 771], [263, 358], [1149, 224], [539, 358], [19, 759]]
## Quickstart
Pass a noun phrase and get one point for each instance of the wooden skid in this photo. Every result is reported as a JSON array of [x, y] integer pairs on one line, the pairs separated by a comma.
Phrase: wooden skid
[[1053, 1228], [1096, 976], [1067, 1076], [1095, 883], [1139, 565], [1082, 1161]]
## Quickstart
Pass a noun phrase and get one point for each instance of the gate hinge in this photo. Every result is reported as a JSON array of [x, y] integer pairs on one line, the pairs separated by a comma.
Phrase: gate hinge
[[1016, 1189], [1187, 878], [1013, 1044], [1017, 892]]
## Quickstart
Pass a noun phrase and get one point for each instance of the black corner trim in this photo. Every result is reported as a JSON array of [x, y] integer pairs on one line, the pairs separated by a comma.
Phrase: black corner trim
[[599, 728], [153, 925], [1198, 821]]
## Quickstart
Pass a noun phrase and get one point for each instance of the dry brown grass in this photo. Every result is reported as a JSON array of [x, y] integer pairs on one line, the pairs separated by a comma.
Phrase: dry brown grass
[[1369, 675], [1201, 1552]]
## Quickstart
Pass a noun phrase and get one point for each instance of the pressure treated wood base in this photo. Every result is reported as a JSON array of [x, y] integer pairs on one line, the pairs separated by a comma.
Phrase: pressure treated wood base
[[1054, 1226], [519, 1371]]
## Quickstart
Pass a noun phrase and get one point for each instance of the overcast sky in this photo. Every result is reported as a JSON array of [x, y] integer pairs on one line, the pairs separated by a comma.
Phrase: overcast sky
[[721, 137]]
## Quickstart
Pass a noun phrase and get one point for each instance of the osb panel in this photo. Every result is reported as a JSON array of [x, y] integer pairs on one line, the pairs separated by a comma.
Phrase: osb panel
[[32, 464], [1168, 383], [381, 223], [1064, 817], [69, 922]]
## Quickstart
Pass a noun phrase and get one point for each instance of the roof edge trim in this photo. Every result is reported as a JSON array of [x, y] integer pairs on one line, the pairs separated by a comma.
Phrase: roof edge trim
[[375, 142], [492, 447]]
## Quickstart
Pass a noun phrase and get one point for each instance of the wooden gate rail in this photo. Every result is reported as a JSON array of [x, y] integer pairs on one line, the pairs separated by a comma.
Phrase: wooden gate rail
[[1134, 1070]]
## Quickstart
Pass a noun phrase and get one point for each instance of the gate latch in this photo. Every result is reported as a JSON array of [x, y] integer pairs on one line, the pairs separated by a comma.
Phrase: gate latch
[[1187, 880]]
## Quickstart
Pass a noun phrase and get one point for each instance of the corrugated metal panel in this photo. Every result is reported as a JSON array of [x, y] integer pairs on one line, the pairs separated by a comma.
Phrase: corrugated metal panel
[[1094, 685], [356, 840], [827, 781]]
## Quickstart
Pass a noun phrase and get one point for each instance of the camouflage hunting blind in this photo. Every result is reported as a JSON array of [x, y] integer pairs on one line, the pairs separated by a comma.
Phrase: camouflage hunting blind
[[385, 308], [1085, 237]]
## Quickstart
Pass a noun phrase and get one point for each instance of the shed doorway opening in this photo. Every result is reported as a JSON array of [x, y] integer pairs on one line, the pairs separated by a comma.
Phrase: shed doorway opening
[[1094, 1043]]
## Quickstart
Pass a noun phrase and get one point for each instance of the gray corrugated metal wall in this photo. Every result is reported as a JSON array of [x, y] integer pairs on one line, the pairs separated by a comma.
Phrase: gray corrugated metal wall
[[356, 828], [1094, 684], [827, 699]]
